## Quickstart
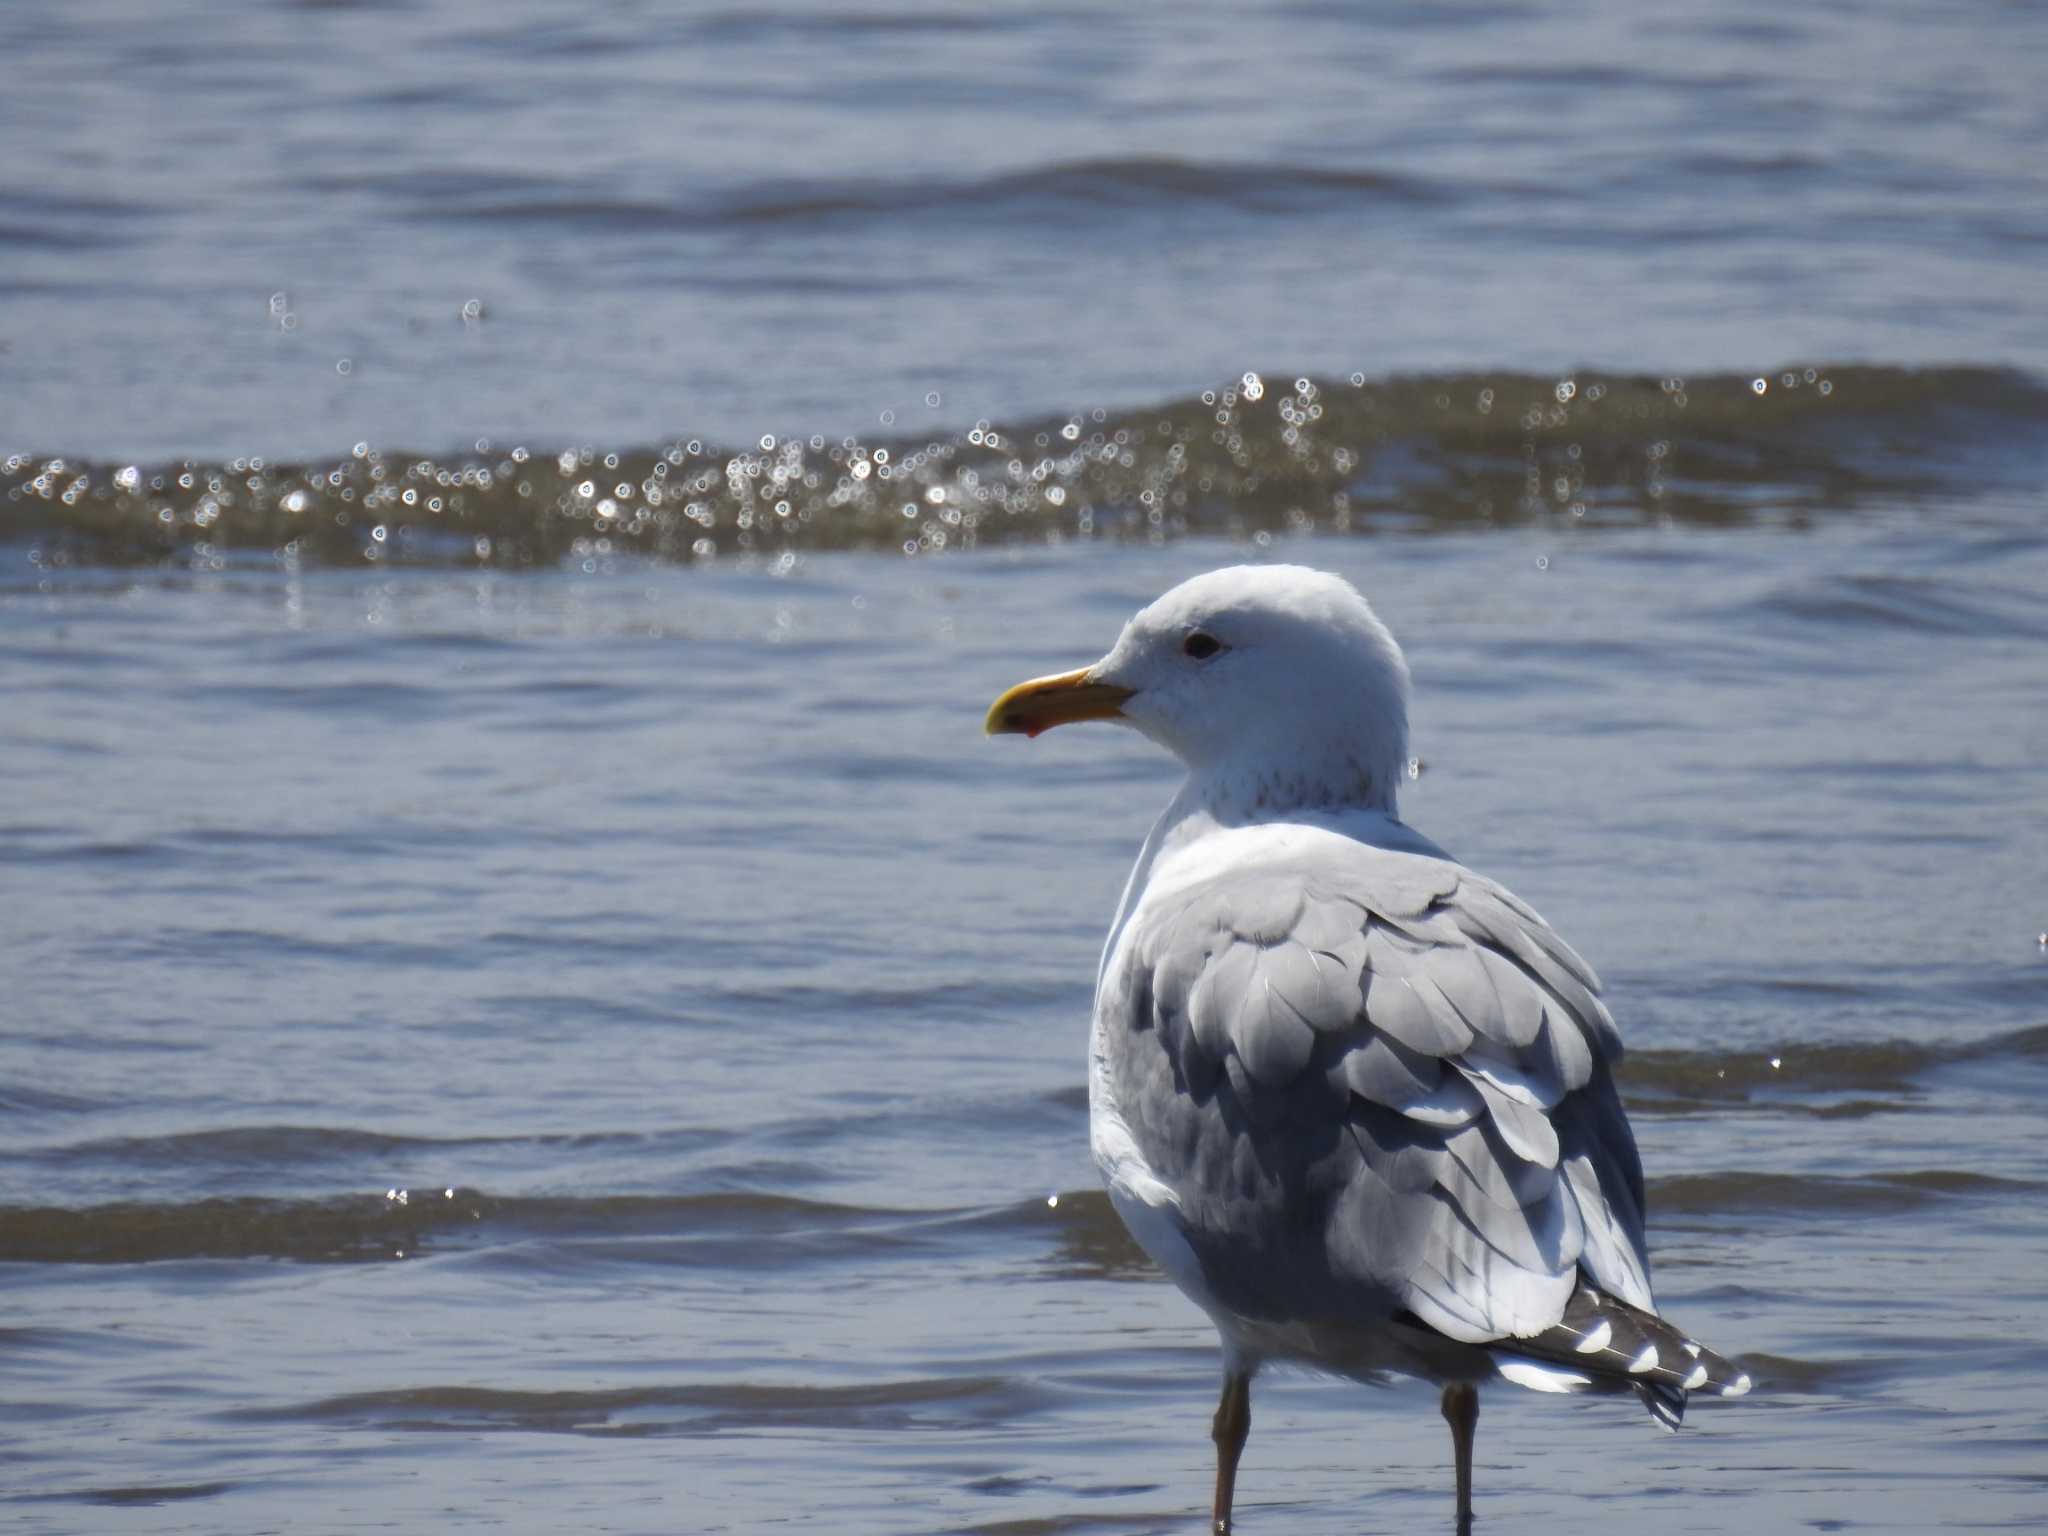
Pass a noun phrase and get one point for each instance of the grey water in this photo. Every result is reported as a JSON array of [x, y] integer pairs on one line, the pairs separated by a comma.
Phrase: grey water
[[591, 1037], [255, 228], [605, 1051]]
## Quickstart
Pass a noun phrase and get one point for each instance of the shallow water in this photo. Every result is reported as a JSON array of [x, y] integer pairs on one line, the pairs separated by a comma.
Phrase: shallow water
[[716, 997], [527, 1004]]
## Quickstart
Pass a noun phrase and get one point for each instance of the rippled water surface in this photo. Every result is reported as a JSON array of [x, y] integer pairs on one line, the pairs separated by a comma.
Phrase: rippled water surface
[[280, 228], [527, 1003], [604, 1051]]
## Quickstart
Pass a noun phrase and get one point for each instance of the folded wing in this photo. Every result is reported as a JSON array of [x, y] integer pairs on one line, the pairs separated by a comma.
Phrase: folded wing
[[1374, 1075]]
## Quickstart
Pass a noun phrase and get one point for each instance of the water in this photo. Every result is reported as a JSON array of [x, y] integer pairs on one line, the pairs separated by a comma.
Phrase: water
[[616, 225], [529, 1005], [680, 924]]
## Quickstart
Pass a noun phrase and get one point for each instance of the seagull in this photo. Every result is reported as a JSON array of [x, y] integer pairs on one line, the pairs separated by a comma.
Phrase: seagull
[[1355, 1100]]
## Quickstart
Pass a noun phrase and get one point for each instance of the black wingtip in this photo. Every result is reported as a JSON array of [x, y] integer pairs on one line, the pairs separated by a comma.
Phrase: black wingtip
[[1620, 1345], [1665, 1402]]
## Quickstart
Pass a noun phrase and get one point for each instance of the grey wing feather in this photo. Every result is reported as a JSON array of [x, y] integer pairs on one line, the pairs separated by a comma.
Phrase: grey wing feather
[[1380, 1079]]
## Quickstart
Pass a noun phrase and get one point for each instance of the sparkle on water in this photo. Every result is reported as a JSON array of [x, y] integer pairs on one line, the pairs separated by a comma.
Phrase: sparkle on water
[[1240, 461]]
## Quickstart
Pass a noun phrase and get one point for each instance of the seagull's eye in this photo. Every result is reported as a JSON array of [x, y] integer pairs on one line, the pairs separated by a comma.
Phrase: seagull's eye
[[1200, 646]]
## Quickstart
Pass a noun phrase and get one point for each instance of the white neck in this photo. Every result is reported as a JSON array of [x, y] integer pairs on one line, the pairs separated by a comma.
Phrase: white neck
[[1183, 819], [1264, 785]]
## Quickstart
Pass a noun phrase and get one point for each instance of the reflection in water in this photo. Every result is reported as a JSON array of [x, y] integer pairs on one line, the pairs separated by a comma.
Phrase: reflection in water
[[1437, 452]]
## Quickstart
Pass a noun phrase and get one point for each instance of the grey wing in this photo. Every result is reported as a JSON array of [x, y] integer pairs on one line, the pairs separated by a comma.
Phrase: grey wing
[[1375, 1076]]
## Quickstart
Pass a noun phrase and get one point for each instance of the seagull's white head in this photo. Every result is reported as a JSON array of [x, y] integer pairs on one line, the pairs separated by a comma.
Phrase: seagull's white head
[[1276, 685]]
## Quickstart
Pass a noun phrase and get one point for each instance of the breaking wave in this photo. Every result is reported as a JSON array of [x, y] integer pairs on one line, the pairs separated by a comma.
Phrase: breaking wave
[[1257, 457]]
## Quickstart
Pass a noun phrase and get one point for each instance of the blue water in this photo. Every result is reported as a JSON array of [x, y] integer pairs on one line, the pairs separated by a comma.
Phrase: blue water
[[716, 995], [599, 1046], [615, 225]]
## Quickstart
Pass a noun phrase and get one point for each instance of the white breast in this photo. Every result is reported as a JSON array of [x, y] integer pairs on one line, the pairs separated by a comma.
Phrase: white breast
[[1149, 1206]]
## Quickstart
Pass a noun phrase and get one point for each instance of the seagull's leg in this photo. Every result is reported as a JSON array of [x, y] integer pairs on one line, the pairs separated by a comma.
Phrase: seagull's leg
[[1461, 1412], [1233, 1425]]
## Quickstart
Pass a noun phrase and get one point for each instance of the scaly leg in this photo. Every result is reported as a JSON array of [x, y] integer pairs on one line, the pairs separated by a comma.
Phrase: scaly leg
[[1233, 1425], [1461, 1412]]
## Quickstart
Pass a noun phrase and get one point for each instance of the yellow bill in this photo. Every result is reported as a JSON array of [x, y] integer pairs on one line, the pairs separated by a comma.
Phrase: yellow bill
[[1061, 699]]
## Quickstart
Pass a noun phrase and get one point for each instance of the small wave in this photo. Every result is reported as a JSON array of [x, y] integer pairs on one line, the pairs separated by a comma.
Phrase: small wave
[[45, 237], [1093, 1242], [1117, 183], [1912, 605], [755, 21], [353, 1229], [1090, 1241], [259, 1145], [993, 997], [735, 1228], [27, 1099], [1782, 1375], [719, 1408], [1448, 451], [1074, 189], [712, 1228], [1664, 1080], [1739, 1192], [138, 1495], [409, 1223]]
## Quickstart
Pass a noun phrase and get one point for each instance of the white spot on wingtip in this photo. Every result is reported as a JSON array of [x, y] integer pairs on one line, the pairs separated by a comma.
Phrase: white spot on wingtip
[[1692, 1349], [1596, 1338], [1538, 1377], [1696, 1378], [1738, 1386], [1646, 1361]]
